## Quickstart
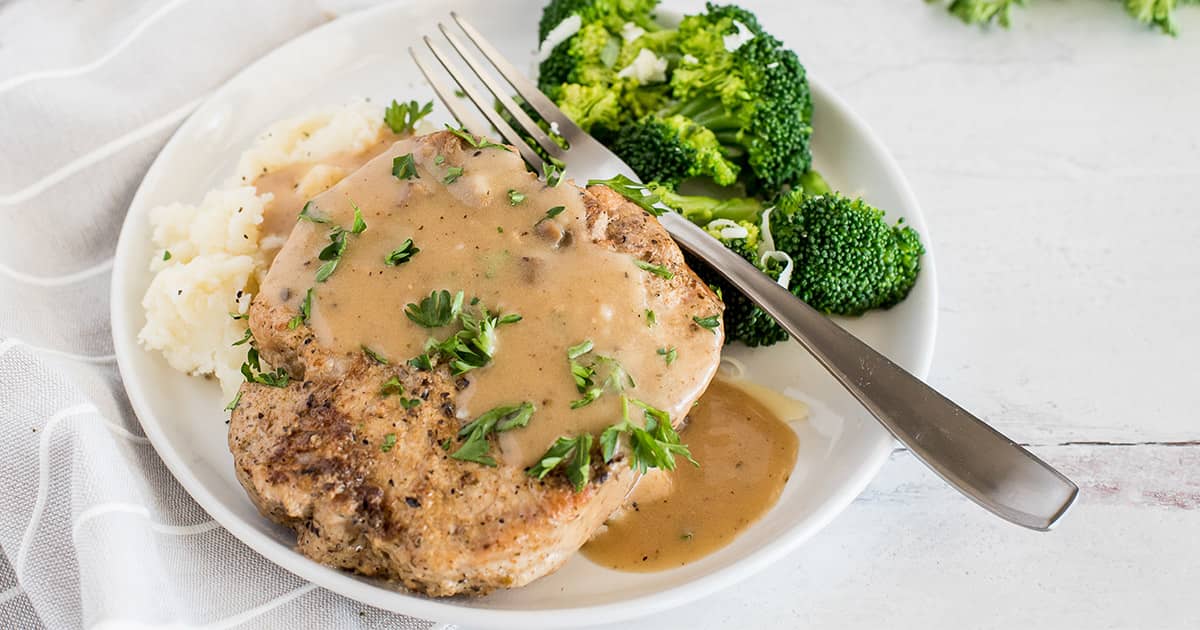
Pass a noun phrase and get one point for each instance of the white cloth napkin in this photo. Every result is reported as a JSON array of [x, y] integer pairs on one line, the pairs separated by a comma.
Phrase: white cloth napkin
[[94, 531]]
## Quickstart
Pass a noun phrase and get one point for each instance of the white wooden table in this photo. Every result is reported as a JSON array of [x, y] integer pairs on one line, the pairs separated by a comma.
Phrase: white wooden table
[[1058, 165]]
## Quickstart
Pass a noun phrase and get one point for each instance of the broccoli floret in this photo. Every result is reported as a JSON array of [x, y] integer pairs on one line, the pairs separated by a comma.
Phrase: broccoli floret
[[669, 150], [734, 106], [704, 210], [846, 259], [612, 13], [755, 98], [591, 106], [849, 260]]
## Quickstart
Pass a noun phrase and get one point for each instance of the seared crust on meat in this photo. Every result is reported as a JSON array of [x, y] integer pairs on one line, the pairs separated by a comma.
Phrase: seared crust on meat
[[311, 455]]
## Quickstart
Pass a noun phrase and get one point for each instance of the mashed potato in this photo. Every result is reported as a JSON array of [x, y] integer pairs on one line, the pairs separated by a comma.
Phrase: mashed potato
[[209, 259]]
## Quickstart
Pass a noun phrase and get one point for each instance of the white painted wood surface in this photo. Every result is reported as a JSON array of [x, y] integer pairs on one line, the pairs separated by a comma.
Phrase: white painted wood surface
[[1058, 165]]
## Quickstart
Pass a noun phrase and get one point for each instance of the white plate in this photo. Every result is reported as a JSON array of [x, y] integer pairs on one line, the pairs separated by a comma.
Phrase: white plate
[[365, 54]]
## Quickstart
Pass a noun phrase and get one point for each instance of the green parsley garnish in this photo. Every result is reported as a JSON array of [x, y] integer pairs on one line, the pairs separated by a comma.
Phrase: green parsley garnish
[[437, 310], [332, 253], [166, 254], [403, 167], [477, 143], [658, 270], [305, 311], [711, 322], [573, 455], [252, 370], [452, 174], [234, 403], [391, 387], [551, 213], [653, 446], [360, 225], [515, 197], [421, 362], [668, 354], [439, 159], [402, 254], [389, 441], [651, 319], [307, 215], [474, 435], [580, 349], [248, 337], [403, 117], [374, 356], [586, 381], [553, 173], [631, 190], [237, 316]]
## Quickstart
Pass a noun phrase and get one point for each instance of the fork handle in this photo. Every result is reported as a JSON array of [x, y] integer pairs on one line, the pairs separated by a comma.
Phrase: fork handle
[[979, 461]]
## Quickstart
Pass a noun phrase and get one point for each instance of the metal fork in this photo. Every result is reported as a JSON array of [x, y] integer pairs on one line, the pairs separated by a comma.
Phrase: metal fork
[[979, 461]]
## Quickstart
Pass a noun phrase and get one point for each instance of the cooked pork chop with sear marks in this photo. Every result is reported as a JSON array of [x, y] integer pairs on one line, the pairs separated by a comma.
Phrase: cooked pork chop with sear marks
[[411, 434]]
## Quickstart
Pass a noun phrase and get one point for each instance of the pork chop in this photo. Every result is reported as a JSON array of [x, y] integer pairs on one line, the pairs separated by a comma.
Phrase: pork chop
[[366, 480]]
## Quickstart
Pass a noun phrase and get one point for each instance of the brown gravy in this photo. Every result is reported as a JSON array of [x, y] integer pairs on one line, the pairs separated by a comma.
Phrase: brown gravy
[[292, 186], [746, 453], [514, 259]]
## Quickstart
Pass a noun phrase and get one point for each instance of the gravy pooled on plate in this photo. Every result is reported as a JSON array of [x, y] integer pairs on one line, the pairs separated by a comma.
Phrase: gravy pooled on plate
[[746, 454]]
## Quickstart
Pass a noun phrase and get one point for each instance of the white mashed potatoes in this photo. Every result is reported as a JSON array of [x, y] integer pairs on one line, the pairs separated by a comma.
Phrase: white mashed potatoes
[[209, 259]]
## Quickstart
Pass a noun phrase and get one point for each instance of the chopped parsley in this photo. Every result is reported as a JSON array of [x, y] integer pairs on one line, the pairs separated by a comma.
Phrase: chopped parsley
[[711, 322], [572, 454], [551, 213], [403, 167], [389, 441], [402, 254], [307, 215], [515, 197], [252, 370], [166, 254], [658, 270], [439, 159], [668, 354], [470, 347], [402, 117], [476, 142], [421, 362], [474, 435], [452, 174], [333, 252], [248, 337], [237, 316], [437, 310], [585, 375], [631, 190], [554, 173], [374, 356], [234, 403], [654, 445], [305, 311], [393, 387], [651, 319]]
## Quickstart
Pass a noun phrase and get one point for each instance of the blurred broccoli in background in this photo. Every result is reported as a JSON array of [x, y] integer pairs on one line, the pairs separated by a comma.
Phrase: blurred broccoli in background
[[1155, 13]]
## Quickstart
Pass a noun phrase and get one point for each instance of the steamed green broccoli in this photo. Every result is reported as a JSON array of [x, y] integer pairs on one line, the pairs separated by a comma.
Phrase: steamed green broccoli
[[1155, 13], [845, 258], [716, 98]]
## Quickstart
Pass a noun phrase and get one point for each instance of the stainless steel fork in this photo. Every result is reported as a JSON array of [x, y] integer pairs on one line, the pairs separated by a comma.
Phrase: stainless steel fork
[[979, 461]]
